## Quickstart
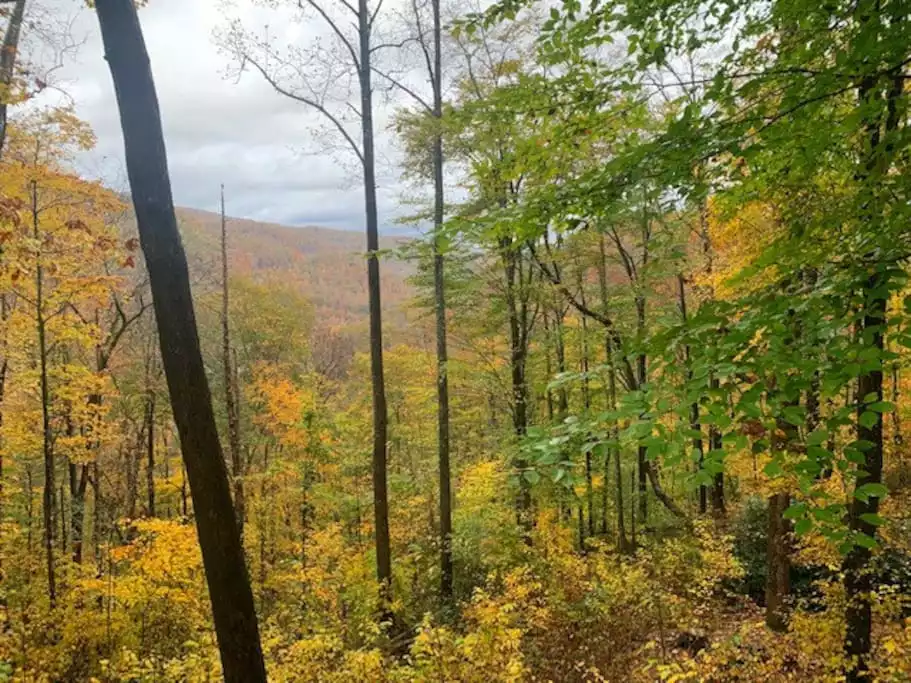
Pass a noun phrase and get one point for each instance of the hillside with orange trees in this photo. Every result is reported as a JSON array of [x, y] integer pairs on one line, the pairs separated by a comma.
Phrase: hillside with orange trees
[[327, 266]]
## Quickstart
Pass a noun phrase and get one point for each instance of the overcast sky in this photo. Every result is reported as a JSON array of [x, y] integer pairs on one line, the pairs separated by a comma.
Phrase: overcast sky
[[262, 146]]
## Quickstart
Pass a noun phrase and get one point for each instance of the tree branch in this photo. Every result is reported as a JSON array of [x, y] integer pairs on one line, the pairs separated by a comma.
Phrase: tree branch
[[310, 102]]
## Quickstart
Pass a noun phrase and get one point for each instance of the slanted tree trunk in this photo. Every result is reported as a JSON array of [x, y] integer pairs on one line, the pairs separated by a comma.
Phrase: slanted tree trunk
[[231, 399], [235, 620]]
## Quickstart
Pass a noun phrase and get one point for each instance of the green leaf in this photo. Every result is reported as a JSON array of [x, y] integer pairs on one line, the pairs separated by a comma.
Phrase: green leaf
[[796, 511], [881, 407], [817, 437], [531, 476], [868, 419], [803, 526], [872, 489], [773, 469], [872, 518], [864, 541]]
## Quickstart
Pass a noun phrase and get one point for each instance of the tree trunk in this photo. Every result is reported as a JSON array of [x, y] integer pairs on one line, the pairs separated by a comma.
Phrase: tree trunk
[[380, 416], [47, 440], [517, 358], [439, 290], [858, 581], [150, 454], [695, 425], [8, 62], [231, 400], [778, 564], [79, 478], [641, 379], [715, 444], [229, 587]]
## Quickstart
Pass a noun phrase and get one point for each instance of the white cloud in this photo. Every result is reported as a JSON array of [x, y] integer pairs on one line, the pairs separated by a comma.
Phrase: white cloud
[[243, 134]]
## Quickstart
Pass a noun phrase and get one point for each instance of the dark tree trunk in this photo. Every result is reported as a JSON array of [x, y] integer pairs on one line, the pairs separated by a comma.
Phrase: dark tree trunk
[[641, 378], [694, 407], [380, 415], [229, 587], [79, 478], [858, 581], [715, 444], [150, 454], [439, 291], [47, 438], [517, 359], [778, 564], [231, 398], [8, 56]]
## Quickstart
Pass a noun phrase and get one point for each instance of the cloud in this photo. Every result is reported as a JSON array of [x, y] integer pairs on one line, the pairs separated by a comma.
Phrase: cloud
[[218, 130]]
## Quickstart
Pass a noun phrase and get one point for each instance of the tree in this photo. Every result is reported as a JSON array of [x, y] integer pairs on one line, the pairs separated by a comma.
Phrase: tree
[[231, 398], [353, 55], [229, 587]]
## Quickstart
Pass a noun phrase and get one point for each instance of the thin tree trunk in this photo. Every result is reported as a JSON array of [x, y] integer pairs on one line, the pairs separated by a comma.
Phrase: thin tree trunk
[[380, 416], [150, 454], [439, 291], [548, 370], [4, 366], [517, 358], [715, 444], [229, 587], [79, 476], [623, 545], [694, 407], [49, 522], [231, 400]]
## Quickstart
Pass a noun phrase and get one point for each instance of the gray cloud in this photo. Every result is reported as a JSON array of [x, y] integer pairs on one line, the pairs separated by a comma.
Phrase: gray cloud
[[256, 142]]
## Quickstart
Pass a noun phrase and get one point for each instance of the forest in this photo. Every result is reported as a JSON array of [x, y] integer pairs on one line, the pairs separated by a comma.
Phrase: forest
[[629, 403]]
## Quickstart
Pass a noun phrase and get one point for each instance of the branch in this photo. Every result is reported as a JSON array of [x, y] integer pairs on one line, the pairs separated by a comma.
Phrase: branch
[[335, 28], [375, 12], [310, 102], [628, 376], [404, 88]]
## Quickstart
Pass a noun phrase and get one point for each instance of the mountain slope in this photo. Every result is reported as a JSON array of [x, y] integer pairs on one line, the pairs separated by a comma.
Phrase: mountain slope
[[327, 266]]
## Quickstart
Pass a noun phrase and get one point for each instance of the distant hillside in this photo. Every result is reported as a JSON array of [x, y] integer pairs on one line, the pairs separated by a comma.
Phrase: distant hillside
[[327, 265]]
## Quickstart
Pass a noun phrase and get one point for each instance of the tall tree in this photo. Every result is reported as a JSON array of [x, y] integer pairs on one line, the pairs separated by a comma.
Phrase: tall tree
[[231, 397], [355, 52], [235, 619]]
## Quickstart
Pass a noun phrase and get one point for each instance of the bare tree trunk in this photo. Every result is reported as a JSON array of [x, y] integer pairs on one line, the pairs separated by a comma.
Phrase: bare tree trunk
[[380, 415], [229, 587], [8, 62], [79, 476], [47, 439], [439, 289], [231, 400], [150, 453]]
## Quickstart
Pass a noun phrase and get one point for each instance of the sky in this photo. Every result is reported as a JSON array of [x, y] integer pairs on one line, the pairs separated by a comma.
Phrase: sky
[[220, 129]]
